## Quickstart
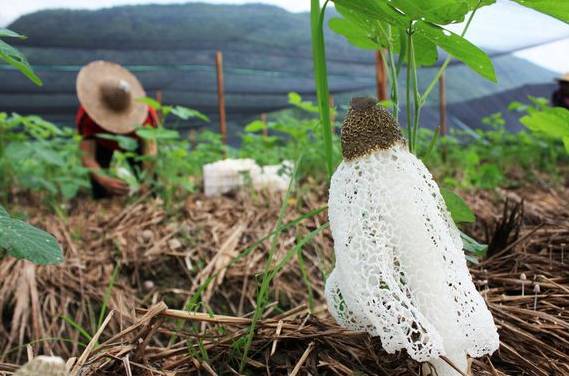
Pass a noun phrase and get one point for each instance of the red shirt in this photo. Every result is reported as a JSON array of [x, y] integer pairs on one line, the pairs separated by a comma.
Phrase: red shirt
[[89, 130]]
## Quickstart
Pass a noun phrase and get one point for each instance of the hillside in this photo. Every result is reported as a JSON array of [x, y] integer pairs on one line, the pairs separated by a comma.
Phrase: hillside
[[171, 48]]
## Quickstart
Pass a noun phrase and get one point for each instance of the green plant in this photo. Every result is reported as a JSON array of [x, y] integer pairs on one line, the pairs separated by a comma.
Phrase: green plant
[[544, 120], [493, 156], [176, 160], [293, 133], [38, 156], [17, 238], [413, 30]]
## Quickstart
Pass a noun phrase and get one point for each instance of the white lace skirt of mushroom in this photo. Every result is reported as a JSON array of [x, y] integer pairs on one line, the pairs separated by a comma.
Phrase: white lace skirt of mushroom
[[400, 270]]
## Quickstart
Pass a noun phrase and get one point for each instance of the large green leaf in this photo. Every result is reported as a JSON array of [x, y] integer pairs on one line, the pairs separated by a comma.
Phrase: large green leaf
[[554, 8], [13, 57], [459, 210], [438, 11], [24, 241], [363, 31], [459, 48], [379, 10], [425, 51]]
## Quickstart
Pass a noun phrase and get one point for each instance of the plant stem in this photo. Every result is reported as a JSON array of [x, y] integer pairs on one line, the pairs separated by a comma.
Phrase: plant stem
[[408, 92], [448, 59], [416, 95], [321, 77]]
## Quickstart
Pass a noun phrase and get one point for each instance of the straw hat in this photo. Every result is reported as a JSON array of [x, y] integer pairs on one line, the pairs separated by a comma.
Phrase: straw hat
[[108, 92], [564, 78]]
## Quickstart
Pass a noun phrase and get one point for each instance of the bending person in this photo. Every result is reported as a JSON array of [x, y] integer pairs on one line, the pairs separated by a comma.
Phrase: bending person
[[108, 96]]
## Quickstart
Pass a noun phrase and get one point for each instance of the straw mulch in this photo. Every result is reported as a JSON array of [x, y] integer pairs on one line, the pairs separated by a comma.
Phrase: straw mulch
[[148, 263]]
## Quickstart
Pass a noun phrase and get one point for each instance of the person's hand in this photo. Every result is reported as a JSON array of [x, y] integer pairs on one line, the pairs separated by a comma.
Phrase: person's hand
[[113, 185]]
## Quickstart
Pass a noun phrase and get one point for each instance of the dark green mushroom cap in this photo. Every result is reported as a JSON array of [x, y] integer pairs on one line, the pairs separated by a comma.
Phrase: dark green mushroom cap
[[368, 128]]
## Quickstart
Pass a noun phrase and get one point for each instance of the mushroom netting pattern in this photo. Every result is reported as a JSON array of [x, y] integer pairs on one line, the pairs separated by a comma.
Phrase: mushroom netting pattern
[[400, 270]]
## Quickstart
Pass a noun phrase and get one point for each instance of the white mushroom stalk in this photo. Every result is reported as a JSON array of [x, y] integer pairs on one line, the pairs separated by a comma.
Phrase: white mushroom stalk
[[400, 269]]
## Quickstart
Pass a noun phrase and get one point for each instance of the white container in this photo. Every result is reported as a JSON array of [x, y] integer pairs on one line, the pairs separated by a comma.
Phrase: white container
[[231, 174], [228, 175]]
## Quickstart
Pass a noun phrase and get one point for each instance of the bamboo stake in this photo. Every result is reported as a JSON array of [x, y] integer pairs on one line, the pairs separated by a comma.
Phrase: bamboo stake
[[221, 96], [380, 76], [264, 119], [159, 96]]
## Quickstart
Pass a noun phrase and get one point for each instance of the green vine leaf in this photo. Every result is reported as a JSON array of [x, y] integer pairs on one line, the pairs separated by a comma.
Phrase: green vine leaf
[[24, 241]]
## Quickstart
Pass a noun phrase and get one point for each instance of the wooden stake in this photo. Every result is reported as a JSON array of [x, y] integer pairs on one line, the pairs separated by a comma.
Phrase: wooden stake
[[159, 96], [332, 111], [380, 76], [221, 96], [264, 119]]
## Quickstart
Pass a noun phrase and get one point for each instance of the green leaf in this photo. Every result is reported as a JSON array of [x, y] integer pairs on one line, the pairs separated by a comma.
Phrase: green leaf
[[5, 33], [552, 122], [48, 155], [554, 8], [24, 241], [459, 210], [157, 134], [151, 102], [296, 100], [3, 212], [185, 113], [438, 11], [255, 126], [566, 143], [357, 36], [426, 53], [13, 57], [473, 4], [472, 246], [458, 47], [381, 11]]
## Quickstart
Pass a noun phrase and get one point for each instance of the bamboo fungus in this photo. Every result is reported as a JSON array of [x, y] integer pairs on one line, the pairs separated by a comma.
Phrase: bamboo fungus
[[400, 271]]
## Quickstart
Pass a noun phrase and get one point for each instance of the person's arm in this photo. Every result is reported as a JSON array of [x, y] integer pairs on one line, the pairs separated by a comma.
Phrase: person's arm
[[114, 186]]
